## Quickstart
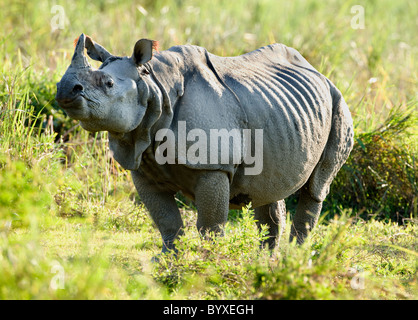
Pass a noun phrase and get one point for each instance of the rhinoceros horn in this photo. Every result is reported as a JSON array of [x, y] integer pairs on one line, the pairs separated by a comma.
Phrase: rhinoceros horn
[[79, 60]]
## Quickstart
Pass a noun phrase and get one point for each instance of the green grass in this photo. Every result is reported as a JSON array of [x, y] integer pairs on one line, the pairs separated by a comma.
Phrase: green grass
[[68, 212], [102, 260]]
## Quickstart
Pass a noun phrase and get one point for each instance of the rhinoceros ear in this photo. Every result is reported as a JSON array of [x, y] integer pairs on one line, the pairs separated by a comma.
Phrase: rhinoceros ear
[[96, 51], [143, 51]]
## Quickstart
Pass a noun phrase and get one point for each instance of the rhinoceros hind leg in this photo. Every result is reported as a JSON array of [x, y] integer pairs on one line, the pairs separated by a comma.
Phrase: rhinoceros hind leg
[[274, 216], [336, 152], [306, 216]]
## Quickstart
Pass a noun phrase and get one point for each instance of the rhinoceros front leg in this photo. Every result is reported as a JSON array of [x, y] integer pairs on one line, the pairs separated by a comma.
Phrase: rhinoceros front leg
[[162, 208], [212, 201], [274, 216], [306, 216]]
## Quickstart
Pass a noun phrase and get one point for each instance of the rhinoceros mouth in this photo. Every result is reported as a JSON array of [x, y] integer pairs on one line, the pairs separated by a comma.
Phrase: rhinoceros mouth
[[68, 103], [75, 108], [72, 103]]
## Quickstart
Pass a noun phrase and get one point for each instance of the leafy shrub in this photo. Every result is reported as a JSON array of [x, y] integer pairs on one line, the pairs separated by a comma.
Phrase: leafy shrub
[[380, 177]]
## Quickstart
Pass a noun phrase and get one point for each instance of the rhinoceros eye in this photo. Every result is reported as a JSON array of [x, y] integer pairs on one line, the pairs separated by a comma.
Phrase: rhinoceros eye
[[109, 83], [144, 72]]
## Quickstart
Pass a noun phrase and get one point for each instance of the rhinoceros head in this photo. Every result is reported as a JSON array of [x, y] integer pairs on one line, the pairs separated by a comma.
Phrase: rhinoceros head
[[112, 98]]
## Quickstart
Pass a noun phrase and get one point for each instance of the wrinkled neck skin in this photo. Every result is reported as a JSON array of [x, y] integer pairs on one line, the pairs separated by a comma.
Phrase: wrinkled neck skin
[[166, 70], [160, 94]]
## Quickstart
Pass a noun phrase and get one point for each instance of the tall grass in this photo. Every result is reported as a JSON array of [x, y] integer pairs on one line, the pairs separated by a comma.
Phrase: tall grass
[[64, 201]]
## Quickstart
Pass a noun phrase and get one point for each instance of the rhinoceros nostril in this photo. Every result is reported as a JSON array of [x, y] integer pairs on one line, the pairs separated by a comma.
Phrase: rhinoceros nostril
[[78, 88]]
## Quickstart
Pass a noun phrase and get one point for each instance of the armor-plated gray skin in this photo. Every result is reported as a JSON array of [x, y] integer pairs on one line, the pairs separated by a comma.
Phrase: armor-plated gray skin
[[307, 128]]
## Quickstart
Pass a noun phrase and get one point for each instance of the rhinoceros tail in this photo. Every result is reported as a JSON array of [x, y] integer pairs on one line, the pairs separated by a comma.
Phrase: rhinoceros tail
[[337, 149]]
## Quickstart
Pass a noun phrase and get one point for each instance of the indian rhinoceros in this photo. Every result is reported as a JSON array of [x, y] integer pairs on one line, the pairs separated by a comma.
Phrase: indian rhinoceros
[[286, 114]]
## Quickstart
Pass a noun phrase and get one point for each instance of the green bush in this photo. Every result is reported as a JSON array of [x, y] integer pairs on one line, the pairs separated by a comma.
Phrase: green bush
[[380, 178]]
